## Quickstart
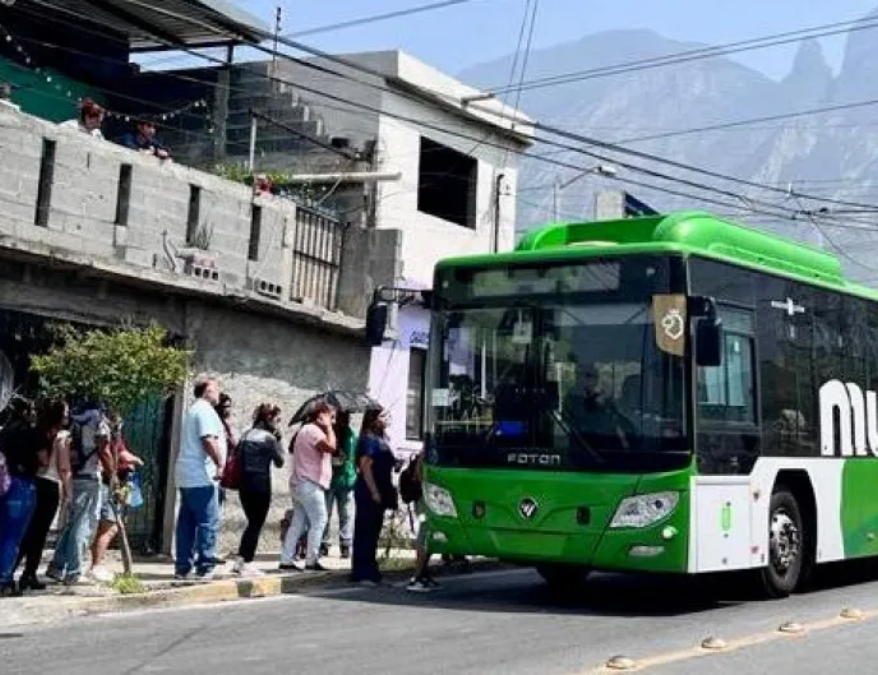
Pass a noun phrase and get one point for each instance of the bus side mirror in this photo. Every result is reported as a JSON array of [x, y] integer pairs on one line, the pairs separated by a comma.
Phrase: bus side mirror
[[709, 342], [376, 324]]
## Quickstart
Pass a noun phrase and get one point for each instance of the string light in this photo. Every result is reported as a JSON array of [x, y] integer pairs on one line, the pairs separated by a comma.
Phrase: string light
[[199, 104]]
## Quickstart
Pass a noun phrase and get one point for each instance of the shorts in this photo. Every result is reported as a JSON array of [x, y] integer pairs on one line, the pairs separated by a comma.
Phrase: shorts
[[109, 512], [423, 536]]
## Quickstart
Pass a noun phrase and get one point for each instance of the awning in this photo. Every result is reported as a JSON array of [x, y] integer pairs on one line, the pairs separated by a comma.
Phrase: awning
[[151, 25]]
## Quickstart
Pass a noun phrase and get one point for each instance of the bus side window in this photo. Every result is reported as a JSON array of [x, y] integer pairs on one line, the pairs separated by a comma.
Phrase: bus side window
[[726, 393]]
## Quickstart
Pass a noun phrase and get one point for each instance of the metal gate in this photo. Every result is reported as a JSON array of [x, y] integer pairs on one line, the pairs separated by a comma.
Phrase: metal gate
[[147, 432]]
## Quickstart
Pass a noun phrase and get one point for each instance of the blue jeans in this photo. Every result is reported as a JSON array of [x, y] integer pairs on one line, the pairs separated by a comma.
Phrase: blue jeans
[[79, 531], [309, 515], [344, 498], [16, 508], [197, 529]]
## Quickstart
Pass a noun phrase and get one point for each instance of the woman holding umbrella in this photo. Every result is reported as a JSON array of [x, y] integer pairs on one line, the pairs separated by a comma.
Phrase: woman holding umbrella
[[311, 476]]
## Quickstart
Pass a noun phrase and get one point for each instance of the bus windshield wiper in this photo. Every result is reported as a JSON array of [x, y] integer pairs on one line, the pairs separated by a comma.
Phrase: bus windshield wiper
[[572, 432]]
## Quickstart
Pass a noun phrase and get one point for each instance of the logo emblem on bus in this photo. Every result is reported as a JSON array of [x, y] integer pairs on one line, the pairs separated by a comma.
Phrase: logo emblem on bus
[[673, 324], [528, 508], [789, 306]]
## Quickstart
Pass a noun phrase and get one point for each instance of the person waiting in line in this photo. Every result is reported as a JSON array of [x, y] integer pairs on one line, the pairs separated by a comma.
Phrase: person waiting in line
[[198, 471], [143, 138], [340, 493], [374, 494], [310, 478], [224, 410], [422, 581], [123, 460], [21, 449], [258, 449], [53, 490], [89, 458], [28, 450]]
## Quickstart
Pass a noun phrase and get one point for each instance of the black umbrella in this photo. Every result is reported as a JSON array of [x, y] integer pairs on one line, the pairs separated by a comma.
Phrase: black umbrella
[[344, 401]]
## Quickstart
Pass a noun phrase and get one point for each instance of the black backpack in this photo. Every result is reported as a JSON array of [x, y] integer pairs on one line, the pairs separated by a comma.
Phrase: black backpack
[[410, 488]]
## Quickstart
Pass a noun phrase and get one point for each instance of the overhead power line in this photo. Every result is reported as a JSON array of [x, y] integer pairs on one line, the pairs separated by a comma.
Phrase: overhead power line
[[577, 137], [547, 128], [753, 120], [375, 18], [615, 147], [762, 42]]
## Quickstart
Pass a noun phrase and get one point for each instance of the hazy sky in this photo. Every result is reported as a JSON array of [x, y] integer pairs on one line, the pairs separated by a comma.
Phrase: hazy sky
[[455, 37]]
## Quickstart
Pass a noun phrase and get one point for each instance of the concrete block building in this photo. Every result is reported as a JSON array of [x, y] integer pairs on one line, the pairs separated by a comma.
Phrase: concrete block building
[[92, 233]]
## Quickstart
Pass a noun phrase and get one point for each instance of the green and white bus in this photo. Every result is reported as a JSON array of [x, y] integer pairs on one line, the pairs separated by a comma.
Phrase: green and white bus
[[670, 393]]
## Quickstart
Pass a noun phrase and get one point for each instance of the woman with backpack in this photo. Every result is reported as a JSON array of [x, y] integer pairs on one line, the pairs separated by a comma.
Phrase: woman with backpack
[[373, 493], [258, 448]]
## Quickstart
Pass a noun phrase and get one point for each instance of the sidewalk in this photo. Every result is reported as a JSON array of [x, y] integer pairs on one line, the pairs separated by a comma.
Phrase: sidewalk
[[160, 589]]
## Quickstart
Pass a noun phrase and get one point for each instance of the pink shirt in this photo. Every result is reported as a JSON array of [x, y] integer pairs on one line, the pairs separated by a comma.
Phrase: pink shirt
[[309, 462]]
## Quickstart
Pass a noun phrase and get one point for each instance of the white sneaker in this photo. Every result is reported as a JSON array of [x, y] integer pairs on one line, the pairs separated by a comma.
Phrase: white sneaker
[[238, 565], [250, 571], [101, 574], [418, 586]]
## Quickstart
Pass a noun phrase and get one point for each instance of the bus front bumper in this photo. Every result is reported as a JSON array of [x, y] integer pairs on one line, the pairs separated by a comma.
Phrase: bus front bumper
[[663, 547]]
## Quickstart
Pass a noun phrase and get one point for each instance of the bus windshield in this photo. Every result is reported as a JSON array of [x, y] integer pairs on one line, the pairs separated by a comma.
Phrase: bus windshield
[[582, 380]]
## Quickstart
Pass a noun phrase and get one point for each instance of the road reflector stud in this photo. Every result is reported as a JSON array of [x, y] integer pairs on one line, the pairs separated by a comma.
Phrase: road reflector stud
[[621, 663], [714, 644], [852, 614], [792, 628]]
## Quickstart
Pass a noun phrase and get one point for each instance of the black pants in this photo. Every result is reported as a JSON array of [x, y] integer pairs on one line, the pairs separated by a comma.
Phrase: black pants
[[368, 521], [31, 549], [255, 500]]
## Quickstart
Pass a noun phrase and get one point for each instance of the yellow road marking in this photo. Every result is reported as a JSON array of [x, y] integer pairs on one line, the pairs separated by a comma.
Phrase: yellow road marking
[[733, 645]]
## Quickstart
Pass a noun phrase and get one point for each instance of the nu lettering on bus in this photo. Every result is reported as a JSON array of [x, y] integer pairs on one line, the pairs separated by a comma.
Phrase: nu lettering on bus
[[848, 420]]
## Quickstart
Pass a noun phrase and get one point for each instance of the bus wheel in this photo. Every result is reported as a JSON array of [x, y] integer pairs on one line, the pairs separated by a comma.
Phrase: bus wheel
[[563, 577], [786, 545]]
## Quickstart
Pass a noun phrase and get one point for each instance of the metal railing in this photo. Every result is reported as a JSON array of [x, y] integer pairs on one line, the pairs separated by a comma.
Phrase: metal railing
[[317, 246]]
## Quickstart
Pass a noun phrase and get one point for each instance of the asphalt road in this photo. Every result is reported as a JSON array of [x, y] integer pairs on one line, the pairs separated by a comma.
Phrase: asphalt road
[[505, 623]]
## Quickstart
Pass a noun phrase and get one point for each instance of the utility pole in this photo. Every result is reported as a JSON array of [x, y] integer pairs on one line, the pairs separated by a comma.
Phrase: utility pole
[[277, 24], [221, 104], [497, 185], [254, 127], [556, 200], [607, 171]]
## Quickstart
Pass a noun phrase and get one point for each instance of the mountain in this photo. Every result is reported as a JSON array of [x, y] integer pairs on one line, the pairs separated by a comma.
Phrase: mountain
[[645, 107]]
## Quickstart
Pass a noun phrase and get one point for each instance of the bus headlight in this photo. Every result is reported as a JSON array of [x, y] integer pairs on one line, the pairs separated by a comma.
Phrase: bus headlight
[[439, 501], [644, 510]]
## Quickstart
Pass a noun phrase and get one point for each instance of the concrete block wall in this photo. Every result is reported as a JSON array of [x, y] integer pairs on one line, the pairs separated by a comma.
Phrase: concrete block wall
[[271, 365], [85, 195], [257, 358]]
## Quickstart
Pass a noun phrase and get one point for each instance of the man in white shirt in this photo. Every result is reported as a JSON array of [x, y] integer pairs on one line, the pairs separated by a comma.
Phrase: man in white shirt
[[198, 469]]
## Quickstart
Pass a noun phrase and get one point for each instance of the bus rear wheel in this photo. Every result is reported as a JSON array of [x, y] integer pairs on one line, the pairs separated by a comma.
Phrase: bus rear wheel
[[564, 577], [787, 545]]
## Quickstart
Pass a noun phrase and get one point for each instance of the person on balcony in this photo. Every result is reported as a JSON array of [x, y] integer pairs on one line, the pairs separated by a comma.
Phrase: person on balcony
[[91, 118], [143, 138]]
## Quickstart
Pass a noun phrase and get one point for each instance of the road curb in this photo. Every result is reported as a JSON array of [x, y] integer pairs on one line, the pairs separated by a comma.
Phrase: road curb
[[50, 609]]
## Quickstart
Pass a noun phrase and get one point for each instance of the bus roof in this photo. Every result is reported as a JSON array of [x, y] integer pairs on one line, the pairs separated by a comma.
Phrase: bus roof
[[690, 232]]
